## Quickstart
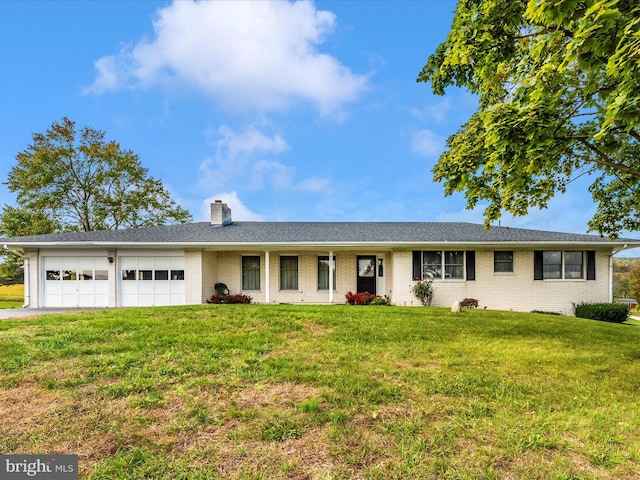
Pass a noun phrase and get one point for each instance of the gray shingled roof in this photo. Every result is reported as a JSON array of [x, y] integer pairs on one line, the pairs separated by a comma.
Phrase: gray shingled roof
[[314, 232]]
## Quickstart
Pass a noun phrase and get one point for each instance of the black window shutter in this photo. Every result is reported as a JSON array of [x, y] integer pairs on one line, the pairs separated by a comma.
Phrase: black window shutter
[[537, 265], [591, 265], [417, 265], [471, 265]]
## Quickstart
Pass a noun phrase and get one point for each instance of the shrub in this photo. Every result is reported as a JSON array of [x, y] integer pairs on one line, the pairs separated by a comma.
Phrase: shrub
[[469, 303], [423, 291], [378, 300], [235, 298], [359, 298], [366, 298], [605, 312]]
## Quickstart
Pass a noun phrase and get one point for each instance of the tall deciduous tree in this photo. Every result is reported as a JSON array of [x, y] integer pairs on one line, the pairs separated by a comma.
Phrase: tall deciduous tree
[[558, 83], [80, 181]]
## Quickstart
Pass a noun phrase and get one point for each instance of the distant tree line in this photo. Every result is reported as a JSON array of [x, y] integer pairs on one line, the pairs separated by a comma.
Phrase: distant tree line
[[626, 278]]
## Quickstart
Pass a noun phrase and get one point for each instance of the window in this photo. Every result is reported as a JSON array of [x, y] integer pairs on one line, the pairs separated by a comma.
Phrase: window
[[453, 264], [177, 274], [573, 265], [162, 274], [86, 275], [145, 275], [551, 265], [69, 275], [53, 274], [129, 275], [323, 272], [101, 275], [567, 265], [251, 273], [439, 264], [288, 273], [503, 262], [432, 264]]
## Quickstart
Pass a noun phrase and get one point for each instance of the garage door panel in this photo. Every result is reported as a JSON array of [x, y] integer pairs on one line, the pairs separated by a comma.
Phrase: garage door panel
[[162, 287], [129, 300], [162, 263], [70, 282], [152, 281]]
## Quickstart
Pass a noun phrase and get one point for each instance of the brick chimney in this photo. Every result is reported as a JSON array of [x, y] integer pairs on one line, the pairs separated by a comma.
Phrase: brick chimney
[[220, 214]]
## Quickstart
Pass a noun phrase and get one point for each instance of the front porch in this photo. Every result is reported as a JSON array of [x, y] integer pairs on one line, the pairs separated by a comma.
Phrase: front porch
[[297, 276]]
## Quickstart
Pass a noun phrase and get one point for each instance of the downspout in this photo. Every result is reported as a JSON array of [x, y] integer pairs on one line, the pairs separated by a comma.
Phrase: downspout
[[27, 284], [25, 268], [611, 278]]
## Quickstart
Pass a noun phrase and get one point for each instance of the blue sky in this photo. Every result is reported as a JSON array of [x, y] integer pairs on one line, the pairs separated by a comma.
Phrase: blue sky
[[288, 112]]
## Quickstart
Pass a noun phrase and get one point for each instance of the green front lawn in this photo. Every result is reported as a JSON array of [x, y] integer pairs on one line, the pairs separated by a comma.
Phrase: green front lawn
[[326, 392]]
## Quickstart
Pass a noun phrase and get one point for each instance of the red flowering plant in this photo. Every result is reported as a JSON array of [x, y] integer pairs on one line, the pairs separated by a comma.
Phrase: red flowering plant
[[366, 298], [229, 298]]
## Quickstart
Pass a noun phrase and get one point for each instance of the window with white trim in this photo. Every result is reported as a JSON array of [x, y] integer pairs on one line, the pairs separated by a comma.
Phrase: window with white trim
[[442, 264], [288, 273], [323, 272], [503, 262], [563, 265], [251, 272]]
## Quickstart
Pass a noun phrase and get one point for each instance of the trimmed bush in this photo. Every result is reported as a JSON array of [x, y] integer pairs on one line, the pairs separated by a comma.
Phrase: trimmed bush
[[605, 312], [235, 298], [380, 301]]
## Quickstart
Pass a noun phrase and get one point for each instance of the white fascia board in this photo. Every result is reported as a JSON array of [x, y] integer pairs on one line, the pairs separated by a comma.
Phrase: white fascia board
[[615, 245]]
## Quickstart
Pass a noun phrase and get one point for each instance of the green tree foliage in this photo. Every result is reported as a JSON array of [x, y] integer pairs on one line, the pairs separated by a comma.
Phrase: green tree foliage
[[558, 83], [634, 282], [80, 181], [14, 222]]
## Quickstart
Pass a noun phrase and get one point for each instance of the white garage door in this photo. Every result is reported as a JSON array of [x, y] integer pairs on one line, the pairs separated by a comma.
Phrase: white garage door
[[76, 281], [149, 281]]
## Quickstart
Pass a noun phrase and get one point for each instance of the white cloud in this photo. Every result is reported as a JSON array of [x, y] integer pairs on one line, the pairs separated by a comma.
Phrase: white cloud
[[438, 112], [240, 160], [234, 154], [428, 143], [315, 184], [249, 142], [239, 212], [258, 55]]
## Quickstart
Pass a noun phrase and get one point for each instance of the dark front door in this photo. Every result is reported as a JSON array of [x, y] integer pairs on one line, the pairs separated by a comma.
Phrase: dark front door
[[367, 273]]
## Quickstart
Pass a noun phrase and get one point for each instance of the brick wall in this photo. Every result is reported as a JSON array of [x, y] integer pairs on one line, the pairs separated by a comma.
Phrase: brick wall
[[516, 291], [193, 294]]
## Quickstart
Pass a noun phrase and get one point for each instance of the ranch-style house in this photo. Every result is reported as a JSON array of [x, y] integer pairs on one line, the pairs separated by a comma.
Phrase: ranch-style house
[[317, 262]]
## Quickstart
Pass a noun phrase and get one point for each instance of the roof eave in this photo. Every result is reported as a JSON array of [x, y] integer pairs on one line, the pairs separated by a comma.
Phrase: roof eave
[[387, 245]]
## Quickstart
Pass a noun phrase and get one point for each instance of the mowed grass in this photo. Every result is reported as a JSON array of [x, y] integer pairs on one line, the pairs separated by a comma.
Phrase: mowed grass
[[11, 296], [323, 392]]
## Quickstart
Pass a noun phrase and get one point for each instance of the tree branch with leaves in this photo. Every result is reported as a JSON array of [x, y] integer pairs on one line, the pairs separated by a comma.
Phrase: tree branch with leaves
[[558, 84]]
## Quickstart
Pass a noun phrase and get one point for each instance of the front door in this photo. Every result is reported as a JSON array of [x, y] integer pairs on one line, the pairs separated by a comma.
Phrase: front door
[[367, 273]]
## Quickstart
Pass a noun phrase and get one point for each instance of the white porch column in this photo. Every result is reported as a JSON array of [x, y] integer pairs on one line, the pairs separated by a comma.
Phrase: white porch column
[[266, 276], [331, 270]]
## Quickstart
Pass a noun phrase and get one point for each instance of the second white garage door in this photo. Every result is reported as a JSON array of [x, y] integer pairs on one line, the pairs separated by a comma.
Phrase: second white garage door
[[151, 281]]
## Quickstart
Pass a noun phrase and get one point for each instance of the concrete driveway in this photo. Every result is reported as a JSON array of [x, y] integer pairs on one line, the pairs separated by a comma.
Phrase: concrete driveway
[[6, 313]]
